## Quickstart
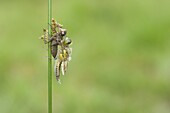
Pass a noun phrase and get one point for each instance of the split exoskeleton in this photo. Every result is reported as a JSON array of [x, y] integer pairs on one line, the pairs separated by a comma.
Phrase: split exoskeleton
[[60, 47]]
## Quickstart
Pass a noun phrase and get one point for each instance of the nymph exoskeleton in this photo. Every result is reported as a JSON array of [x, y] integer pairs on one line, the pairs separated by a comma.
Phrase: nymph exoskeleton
[[44, 37], [55, 25]]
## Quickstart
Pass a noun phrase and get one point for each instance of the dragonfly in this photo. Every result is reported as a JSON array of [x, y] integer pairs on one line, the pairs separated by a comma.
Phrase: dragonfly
[[63, 57], [60, 47]]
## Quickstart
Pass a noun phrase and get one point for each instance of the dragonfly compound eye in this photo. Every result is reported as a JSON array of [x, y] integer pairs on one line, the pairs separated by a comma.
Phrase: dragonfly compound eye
[[68, 41]]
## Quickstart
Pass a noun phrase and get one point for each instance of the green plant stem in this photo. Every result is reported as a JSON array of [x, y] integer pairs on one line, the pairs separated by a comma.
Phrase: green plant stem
[[49, 59]]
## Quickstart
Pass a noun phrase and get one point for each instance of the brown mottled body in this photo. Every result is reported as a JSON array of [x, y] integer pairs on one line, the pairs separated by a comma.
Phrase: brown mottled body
[[55, 41], [54, 50]]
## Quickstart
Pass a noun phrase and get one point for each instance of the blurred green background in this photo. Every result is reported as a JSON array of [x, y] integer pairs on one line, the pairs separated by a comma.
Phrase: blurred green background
[[120, 61]]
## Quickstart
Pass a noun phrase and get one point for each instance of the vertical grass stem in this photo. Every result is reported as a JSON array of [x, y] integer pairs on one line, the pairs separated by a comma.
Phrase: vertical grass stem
[[49, 59]]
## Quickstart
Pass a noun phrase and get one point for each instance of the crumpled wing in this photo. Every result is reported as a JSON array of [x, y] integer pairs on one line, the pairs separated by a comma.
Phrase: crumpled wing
[[57, 68]]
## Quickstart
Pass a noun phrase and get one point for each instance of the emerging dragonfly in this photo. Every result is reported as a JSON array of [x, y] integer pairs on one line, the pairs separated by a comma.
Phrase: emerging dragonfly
[[60, 47]]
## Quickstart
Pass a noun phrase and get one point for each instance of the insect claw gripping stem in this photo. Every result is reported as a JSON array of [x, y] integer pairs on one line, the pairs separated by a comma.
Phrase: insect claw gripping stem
[[49, 58], [49, 24]]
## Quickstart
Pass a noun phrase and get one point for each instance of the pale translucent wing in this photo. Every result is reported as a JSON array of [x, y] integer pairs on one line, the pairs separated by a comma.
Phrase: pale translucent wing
[[62, 68], [65, 66], [57, 69]]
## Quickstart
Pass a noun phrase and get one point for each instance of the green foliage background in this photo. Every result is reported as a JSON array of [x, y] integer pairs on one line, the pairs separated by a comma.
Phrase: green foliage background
[[120, 62]]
